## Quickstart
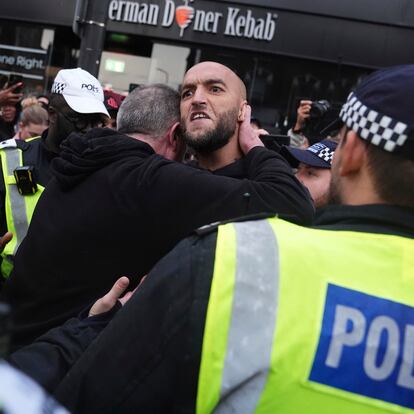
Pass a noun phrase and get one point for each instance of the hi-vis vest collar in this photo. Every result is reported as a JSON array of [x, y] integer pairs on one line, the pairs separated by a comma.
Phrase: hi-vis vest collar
[[308, 321]]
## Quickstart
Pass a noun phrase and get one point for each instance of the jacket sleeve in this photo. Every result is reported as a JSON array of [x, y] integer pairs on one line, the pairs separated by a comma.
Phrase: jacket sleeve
[[194, 197], [273, 186], [147, 359], [49, 358]]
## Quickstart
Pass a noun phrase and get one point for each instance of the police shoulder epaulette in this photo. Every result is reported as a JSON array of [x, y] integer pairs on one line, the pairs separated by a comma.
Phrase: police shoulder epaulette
[[208, 228], [8, 143], [211, 228], [33, 138]]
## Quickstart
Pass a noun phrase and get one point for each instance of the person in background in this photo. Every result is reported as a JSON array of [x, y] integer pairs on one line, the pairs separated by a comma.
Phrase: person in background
[[76, 105], [9, 95], [313, 168], [34, 119], [112, 102], [44, 101], [9, 119]]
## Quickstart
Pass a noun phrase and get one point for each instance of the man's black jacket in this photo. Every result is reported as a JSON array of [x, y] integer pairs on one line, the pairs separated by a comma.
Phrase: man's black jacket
[[147, 359], [115, 208]]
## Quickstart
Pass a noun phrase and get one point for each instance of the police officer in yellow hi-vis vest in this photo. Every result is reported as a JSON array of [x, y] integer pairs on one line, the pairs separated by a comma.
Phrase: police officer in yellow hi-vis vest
[[76, 104], [264, 316]]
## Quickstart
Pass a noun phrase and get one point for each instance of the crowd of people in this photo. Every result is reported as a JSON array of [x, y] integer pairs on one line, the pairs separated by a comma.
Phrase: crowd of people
[[237, 279]]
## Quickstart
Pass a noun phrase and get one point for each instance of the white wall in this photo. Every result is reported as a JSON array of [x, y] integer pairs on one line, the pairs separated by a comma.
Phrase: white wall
[[166, 65]]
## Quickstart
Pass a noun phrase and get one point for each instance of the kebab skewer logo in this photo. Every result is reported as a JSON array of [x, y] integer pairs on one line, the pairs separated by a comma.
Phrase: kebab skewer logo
[[184, 16]]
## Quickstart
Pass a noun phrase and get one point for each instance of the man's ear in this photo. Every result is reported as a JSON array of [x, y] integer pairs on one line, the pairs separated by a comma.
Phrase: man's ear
[[176, 145], [353, 154], [174, 135], [242, 111]]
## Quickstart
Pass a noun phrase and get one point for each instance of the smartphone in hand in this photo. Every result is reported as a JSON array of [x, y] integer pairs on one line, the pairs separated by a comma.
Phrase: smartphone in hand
[[13, 80]]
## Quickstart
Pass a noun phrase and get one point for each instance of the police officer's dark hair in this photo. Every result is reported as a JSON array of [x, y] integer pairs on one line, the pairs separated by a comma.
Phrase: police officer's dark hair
[[149, 110], [393, 176]]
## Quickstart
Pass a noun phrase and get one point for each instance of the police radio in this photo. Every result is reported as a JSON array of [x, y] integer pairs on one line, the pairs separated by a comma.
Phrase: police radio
[[25, 181]]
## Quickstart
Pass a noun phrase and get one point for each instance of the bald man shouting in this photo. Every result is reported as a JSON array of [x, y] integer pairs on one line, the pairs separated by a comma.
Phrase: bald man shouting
[[213, 106], [128, 186]]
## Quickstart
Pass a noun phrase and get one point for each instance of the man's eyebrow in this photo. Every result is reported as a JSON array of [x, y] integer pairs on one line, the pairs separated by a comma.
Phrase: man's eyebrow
[[192, 85], [213, 81]]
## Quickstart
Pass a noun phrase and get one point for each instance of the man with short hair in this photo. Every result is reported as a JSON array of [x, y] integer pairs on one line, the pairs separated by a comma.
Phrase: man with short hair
[[119, 202], [267, 316], [76, 105], [313, 166]]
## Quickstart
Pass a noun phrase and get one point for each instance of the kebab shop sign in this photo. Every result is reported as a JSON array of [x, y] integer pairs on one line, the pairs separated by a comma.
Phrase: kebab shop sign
[[227, 20]]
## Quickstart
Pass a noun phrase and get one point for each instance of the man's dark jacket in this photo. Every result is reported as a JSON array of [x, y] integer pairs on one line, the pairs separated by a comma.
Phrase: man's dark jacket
[[147, 360], [115, 208]]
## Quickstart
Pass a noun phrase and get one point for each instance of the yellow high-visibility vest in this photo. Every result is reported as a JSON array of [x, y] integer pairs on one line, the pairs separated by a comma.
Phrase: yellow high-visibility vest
[[308, 321], [18, 208]]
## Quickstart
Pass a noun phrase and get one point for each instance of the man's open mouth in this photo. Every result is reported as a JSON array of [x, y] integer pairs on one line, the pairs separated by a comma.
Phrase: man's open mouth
[[199, 115]]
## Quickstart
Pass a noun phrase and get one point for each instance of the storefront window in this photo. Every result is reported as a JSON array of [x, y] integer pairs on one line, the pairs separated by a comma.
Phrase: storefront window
[[25, 51], [122, 71]]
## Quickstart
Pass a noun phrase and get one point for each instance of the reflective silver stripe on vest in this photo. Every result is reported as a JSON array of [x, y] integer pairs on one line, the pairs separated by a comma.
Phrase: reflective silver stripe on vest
[[17, 201], [253, 319]]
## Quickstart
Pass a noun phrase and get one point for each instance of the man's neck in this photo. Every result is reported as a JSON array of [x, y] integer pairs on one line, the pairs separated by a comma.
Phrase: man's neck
[[221, 157], [360, 190]]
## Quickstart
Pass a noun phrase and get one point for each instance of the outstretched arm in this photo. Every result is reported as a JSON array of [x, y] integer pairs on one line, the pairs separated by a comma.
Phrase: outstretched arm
[[49, 358]]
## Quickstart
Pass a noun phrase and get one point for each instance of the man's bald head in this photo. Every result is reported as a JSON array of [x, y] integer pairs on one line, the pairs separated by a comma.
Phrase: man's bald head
[[222, 71]]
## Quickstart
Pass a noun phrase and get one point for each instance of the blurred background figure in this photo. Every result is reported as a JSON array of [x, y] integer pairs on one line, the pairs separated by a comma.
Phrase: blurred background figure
[[313, 168], [34, 119], [315, 120], [112, 101], [76, 105], [43, 101], [10, 96], [8, 120]]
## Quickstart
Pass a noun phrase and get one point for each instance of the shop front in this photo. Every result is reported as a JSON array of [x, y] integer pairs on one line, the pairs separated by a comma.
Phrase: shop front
[[283, 50]]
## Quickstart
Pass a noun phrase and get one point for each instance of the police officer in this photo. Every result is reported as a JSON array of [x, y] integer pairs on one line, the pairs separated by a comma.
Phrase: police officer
[[266, 316], [76, 104], [313, 166]]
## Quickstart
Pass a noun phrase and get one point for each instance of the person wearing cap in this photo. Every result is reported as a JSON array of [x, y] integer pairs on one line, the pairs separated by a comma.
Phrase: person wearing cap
[[76, 105], [313, 166], [270, 317]]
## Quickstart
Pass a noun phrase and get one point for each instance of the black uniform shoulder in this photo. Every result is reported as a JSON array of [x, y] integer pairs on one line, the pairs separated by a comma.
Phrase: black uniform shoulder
[[23, 145], [35, 154]]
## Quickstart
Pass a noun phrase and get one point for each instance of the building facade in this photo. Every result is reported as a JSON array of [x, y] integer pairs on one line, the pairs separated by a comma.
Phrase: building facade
[[284, 50]]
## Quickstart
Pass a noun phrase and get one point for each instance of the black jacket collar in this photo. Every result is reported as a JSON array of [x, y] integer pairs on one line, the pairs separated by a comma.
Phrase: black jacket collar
[[373, 218]]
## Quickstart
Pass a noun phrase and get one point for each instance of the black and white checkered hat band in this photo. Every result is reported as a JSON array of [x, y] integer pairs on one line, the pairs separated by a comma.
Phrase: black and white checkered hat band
[[326, 154], [378, 129], [58, 87]]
